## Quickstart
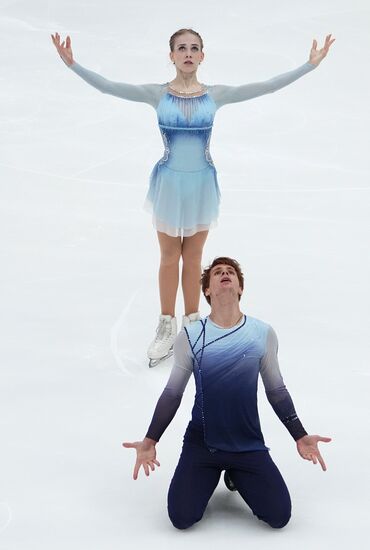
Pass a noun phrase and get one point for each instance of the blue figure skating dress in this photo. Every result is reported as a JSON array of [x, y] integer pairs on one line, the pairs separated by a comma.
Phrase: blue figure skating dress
[[183, 194]]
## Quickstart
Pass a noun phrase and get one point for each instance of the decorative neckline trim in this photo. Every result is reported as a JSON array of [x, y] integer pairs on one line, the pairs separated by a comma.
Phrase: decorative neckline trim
[[186, 95]]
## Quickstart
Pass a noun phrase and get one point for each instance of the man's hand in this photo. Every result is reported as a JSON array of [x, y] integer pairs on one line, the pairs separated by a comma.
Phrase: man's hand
[[309, 450], [145, 455]]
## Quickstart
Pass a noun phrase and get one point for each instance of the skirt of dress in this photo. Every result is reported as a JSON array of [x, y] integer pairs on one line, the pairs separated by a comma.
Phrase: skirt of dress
[[183, 203]]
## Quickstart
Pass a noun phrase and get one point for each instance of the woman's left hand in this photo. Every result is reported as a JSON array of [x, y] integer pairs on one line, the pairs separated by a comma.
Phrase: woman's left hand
[[316, 56]]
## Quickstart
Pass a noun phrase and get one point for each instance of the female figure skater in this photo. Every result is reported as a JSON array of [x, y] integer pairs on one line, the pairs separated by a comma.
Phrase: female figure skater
[[183, 194]]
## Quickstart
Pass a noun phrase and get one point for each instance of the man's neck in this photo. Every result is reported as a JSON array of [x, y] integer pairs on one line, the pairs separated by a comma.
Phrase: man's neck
[[226, 315]]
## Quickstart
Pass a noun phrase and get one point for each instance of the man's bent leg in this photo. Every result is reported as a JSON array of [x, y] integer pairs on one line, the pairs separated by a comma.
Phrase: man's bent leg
[[192, 485], [263, 488]]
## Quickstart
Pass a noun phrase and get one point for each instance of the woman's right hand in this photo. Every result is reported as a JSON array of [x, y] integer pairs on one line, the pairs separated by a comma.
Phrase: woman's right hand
[[64, 49], [145, 455]]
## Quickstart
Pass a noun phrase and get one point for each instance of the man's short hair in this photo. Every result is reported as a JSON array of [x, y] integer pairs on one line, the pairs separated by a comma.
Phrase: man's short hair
[[204, 280]]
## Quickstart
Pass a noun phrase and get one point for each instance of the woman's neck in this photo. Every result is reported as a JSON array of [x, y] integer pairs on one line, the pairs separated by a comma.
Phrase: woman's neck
[[185, 82]]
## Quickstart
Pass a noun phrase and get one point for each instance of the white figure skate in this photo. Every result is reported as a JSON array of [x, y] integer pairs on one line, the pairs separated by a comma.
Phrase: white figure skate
[[162, 346], [191, 318]]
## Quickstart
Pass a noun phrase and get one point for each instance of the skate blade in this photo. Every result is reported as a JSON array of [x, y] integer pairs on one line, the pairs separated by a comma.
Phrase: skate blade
[[155, 362]]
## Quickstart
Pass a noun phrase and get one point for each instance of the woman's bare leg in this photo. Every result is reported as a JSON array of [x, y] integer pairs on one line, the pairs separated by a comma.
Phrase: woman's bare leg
[[169, 272], [192, 249]]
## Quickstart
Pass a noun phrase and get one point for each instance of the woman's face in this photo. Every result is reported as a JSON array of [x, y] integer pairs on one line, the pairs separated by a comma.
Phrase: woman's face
[[187, 52]]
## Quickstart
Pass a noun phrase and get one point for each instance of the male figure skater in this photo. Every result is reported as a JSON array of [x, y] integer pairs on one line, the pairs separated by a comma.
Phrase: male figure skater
[[226, 352]]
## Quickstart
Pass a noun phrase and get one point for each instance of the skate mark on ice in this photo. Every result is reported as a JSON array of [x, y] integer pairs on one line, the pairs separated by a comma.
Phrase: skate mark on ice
[[68, 177], [121, 354], [302, 219], [74, 177], [300, 190], [105, 162], [5, 516]]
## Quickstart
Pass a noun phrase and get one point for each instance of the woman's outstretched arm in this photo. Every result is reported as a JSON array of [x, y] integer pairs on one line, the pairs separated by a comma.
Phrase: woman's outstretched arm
[[146, 93], [223, 95]]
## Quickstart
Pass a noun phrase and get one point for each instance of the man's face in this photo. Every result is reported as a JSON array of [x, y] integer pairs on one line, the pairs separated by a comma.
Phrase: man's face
[[223, 280]]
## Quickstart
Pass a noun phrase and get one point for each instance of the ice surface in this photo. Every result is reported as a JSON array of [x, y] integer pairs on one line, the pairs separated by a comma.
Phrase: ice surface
[[79, 266]]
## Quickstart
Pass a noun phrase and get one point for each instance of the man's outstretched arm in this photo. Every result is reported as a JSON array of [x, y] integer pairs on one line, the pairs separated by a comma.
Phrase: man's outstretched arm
[[282, 403], [166, 407]]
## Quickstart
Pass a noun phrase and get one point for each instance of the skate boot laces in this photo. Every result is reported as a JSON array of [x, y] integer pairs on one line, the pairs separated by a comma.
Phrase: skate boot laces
[[163, 330]]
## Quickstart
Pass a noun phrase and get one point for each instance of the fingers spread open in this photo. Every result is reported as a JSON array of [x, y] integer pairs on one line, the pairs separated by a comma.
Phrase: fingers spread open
[[128, 445], [322, 463], [136, 470]]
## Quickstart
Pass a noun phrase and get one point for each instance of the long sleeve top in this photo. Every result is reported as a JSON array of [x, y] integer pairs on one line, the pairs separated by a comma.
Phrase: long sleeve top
[[221, 94], [226, 365]]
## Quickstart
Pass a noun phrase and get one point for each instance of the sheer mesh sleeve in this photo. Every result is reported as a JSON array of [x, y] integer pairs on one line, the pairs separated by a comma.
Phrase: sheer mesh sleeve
[[276, 392], [146, 93], [170, 399], [223, 95]]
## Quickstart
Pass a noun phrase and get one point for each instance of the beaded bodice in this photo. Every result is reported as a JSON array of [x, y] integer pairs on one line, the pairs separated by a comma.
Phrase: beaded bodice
[[186, 125], [186, 122]]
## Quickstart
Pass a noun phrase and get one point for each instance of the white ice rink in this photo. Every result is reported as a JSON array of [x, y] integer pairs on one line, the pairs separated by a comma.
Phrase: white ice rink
[[79, 266]]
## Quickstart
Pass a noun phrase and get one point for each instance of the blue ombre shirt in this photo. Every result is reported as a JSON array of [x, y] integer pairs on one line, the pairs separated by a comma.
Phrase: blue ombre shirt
[[226, 364]]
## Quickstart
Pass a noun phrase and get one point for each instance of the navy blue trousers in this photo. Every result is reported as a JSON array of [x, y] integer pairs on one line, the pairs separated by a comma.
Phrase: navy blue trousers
[[254, 474]]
